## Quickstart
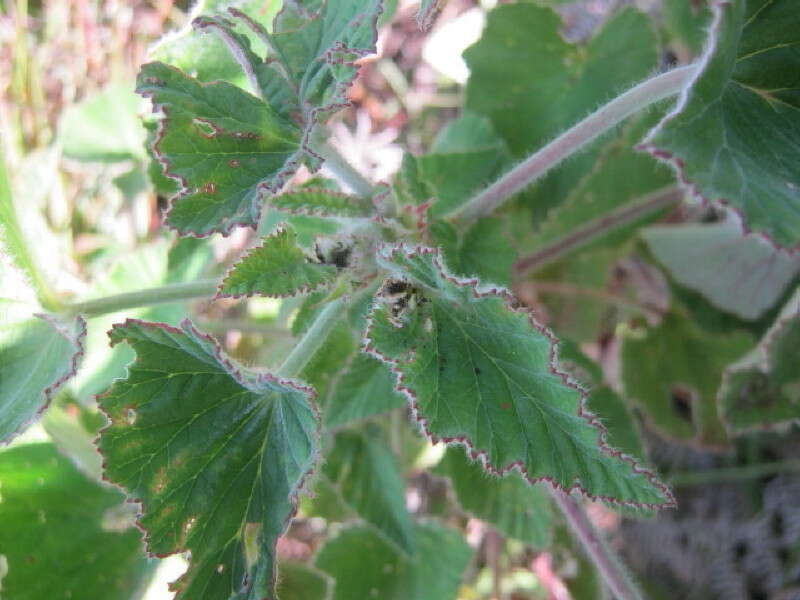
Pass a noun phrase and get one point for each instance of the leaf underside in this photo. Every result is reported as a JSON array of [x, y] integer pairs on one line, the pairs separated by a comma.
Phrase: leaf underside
[[481, 373], [215, 454], [734, 135], [38, 355], [741, 274]]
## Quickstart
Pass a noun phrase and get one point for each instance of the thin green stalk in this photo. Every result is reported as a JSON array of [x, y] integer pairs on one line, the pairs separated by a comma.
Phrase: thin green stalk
[[173, 292], [608, 564], [739, 473], [571, 141], [580, 236], [313, 339], [340, 166]]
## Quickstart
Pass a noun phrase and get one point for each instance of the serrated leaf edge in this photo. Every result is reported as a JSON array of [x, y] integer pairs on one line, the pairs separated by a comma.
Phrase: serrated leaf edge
[[277, 181], [187, 327], [480, 456], [300, 291], [647, 145], [78, 342]]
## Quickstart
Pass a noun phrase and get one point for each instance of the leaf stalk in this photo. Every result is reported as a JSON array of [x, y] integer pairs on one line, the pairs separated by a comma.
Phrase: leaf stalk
[[608, 564], [173, 292], [571, 141], [313, 339]]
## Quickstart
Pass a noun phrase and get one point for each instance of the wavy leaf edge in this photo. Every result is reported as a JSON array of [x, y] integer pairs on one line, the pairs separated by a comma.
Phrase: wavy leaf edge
[[487, 291], [78, 341], [187, 327], [718, 8]]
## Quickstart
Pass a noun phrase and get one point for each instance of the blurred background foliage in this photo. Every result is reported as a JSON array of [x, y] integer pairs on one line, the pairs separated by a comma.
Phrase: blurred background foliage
[[88, 194]]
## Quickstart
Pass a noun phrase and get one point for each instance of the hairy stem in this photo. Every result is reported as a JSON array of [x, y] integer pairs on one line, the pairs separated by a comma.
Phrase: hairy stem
[[571, 141], [341, 168], [580, 236], [608, 564], [174, 292], [313, 339]]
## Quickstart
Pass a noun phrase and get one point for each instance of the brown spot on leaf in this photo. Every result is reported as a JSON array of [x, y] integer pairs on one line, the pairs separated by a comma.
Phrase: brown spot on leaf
[[233, 163], [209, 188]]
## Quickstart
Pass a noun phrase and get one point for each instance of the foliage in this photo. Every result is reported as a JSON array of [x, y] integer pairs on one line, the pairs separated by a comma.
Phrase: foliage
[[357, 336]]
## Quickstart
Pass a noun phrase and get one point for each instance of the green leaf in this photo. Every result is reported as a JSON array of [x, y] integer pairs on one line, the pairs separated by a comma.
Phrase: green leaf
[[216, 454], [62, 534], [741, 274], [83, 129], [364, 565], [732, 135], [148, 265], [206, 57], [466, 155], [481, 372], [366, 475], [687, 22], [763, 388], [39, 352], [484, 250], [363, 390], [322, 203], [673, 372], [225, 159], [529, 106], [276, 268], [316, 47], [510, 504], [622, 430], [38, 355], [300, 582], [620, 177]]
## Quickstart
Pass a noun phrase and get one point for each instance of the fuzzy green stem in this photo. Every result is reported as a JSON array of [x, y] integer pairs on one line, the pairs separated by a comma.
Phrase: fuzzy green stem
[[340, 166], [313, 339], [571, 141], [174, 292], [608, 564], [603, 225]]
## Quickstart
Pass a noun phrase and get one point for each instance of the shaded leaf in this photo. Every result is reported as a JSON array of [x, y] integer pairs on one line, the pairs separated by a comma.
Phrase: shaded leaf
[[687, 22], [301, 582], [484, 250], [364, 565], [509, 504], [366, 475], [741, 274], [364, 389], [735, 131], [480, 372], [604, 402], [61, 531], [276, 268], [216, 455], [83, 129], [533, 84], [763, 388], [38, 355], [225, 161], [466, 155], [673, 372]]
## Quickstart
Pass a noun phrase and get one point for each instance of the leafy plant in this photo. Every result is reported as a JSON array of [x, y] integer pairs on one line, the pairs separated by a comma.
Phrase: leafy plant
[[424, 296]]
